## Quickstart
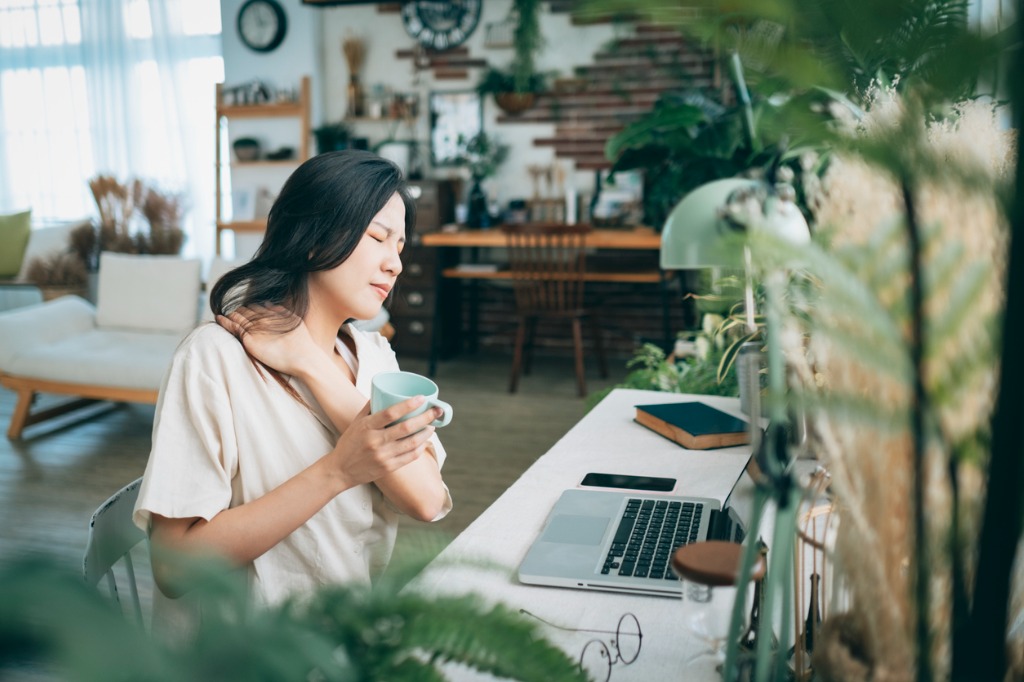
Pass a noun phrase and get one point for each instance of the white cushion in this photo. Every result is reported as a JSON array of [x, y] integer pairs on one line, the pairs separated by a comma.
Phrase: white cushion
[[23, 330], [147, 293], [123, 359]]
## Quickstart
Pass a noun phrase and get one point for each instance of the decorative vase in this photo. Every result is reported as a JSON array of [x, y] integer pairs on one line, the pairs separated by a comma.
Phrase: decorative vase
[[476, 206], [356, 97], [514, 103]]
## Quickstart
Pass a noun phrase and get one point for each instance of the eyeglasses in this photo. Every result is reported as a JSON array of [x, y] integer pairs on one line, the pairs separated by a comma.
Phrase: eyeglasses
[[596, 656]]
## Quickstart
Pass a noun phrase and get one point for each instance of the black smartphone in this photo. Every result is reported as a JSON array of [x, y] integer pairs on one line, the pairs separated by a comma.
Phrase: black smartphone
[[626, 482]]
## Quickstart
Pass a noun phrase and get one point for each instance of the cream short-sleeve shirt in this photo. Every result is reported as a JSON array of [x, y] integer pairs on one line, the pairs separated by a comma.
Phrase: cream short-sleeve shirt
[[224, 435]]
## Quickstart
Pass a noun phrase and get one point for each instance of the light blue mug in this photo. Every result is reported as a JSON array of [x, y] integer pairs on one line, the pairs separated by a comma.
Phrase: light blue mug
[[390, 388]]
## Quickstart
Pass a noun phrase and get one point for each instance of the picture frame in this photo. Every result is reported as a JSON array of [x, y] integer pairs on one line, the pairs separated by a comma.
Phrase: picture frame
[[455, 117]]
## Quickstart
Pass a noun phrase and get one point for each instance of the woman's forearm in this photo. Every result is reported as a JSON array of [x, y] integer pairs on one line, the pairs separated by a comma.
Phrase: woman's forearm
[[417, 488]]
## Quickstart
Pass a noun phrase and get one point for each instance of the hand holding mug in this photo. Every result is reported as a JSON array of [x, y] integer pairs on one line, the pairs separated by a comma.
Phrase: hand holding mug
[[391, 388]]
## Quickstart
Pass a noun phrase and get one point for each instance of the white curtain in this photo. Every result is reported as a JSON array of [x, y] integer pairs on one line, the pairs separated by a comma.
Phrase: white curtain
[[118, 87]]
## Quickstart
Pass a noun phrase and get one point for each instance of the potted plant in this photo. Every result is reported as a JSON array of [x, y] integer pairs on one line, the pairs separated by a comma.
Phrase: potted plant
[[515, 89]]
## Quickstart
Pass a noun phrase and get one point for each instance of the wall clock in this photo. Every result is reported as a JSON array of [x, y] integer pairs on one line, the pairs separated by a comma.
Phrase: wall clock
[[441, 25], [262, 24]]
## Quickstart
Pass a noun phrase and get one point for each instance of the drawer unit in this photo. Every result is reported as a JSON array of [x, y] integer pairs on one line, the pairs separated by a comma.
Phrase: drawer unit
[[420, 301]]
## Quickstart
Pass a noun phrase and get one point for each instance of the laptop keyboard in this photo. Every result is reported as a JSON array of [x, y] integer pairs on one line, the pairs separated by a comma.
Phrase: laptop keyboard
[[648, 533]]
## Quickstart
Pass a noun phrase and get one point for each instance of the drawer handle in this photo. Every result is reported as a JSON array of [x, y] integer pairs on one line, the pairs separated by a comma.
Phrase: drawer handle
[[415, 298], [415, 269], [417, 327]]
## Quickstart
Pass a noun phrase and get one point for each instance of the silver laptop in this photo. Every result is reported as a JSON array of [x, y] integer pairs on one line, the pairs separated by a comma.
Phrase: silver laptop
[[622, 541]]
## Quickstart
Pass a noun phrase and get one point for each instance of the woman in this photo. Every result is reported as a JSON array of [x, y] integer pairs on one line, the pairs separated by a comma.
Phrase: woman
[[264, 451]]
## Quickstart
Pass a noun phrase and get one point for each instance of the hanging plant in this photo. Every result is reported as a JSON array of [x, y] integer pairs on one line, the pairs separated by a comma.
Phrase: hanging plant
[[515, 89]]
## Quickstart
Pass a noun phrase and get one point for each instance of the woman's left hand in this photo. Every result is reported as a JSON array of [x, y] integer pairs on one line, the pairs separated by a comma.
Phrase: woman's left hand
[[274, 335]]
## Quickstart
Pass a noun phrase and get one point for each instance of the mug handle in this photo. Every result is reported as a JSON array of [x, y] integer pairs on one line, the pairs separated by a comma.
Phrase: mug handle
[[448, 412]]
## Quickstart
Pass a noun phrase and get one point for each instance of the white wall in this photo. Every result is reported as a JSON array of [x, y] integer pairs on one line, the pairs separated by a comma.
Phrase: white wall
[[313, 46]]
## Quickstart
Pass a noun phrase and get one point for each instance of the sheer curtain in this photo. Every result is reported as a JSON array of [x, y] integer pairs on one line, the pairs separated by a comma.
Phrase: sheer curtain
[[118, 87]]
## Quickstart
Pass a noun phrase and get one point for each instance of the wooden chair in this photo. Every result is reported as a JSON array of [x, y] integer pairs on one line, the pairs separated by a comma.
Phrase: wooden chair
[[112, 535], [548, 268]]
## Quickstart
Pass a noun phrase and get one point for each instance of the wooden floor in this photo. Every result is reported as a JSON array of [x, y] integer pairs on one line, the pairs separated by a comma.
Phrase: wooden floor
[[56, 475]]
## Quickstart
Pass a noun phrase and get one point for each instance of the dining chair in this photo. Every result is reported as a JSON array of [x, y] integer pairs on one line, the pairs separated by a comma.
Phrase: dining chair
[[112, 535], [547, 262]]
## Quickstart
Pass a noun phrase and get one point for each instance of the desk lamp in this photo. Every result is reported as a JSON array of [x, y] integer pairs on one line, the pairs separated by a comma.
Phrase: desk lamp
[[709, 228]]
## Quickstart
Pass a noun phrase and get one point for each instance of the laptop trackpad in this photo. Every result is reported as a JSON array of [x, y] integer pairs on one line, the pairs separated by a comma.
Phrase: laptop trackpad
[[576, 529]]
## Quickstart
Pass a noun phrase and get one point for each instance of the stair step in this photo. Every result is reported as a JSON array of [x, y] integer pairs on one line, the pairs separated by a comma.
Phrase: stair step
[[592, 144], [621, 116], [607, 99]]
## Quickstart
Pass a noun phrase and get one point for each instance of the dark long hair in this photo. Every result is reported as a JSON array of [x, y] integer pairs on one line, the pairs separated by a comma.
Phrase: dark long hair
[[316, 222]]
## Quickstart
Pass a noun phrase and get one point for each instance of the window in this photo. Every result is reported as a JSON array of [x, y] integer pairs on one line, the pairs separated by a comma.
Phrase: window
[[120, 87]]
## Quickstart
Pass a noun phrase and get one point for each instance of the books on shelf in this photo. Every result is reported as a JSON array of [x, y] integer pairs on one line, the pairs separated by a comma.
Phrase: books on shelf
[[694, 425]]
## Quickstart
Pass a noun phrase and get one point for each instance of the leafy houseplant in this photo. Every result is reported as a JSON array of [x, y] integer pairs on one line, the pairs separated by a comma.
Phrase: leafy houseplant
[[690, 138], [50, 620], [696, 372]]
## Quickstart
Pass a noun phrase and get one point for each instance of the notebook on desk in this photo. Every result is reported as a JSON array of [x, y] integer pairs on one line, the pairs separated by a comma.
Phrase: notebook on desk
[[605, 540]]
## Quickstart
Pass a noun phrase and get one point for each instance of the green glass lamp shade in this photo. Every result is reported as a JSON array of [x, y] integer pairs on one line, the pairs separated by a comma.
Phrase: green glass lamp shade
[[696, 236]]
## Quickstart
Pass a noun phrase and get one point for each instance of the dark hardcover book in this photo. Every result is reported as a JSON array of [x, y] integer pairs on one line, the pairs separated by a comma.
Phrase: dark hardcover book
[[694, 425]]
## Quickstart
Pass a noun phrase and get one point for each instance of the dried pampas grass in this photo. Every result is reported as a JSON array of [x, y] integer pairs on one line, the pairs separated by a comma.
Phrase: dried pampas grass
[[871, 464], [133, 218], [58, 270]]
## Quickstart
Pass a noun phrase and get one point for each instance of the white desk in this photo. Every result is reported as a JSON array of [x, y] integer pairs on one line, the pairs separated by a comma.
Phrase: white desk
[[607, 440]]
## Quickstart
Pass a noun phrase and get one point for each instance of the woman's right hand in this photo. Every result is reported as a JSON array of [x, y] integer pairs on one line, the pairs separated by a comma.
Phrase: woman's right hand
[[274, 335], [377, 444]]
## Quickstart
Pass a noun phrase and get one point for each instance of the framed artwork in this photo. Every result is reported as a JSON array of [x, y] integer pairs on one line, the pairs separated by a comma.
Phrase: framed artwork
[[455, 117]]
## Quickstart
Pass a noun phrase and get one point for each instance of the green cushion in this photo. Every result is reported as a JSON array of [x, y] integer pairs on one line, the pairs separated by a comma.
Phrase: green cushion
[[14, 231]]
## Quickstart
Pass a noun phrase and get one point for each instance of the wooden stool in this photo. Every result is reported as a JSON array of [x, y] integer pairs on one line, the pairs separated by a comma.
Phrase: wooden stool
[[714, 563]]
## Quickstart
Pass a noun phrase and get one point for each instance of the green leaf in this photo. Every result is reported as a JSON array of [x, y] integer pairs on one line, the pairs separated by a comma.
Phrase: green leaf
[[664, 120]]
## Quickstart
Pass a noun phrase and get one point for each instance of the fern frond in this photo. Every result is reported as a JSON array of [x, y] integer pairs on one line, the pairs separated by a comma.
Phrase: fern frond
[[845, 294], [864, 410], [500, 642], [971, 284], [385, 633], [947, 387]]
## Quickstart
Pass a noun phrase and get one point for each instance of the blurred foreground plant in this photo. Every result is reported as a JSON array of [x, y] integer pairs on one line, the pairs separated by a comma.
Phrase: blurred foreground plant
[[52, 622]]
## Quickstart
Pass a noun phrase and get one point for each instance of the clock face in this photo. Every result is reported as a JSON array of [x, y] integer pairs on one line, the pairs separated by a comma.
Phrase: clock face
[[441, 25], [262, 24]]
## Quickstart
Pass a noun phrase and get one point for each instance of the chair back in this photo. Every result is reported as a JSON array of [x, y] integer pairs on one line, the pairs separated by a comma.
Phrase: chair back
[[548, 266], [112, 535]]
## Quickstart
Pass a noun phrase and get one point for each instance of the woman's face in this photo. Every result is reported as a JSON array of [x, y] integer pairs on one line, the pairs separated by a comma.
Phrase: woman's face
[[357, 288]]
